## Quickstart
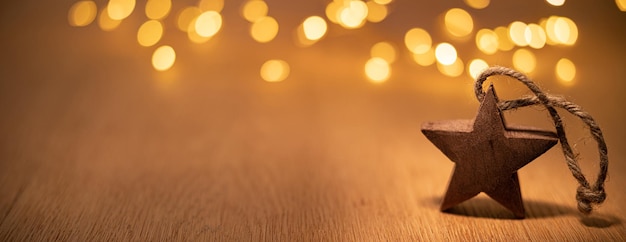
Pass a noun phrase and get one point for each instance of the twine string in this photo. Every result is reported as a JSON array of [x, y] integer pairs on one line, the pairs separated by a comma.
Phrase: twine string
[[587, 195]]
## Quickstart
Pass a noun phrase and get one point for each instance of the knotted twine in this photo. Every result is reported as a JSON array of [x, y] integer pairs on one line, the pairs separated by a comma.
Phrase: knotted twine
[[587, 195]]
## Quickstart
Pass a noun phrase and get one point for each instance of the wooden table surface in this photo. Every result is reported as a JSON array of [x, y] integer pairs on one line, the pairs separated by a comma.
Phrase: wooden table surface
[[96, 145]]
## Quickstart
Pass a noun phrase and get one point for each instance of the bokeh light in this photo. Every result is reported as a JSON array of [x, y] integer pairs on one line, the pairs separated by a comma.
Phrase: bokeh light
[[475, 67], [621, 4], [384, 50], [458, 22], [353, 14], [477, 4], [524, 60], [517, 31], [150, 33], [158, 9], [264, 29], [211, 5], [487, 41], [565, 70], [194, 36], [556, 2], [274, 70], [504, 40], [208, 24], [105, 22], [425, 59], [453, 70], [445, 54], [377, 70], [383, 2], [254, 10], [418, 40], [186, 17], [163, 58], [565, 31], [120, 9], [82, 13], [535, 36], [314, 28], [376, 12], [332, 11]]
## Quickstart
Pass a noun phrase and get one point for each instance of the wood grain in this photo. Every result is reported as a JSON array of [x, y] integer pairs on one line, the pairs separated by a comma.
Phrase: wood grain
[[94, 145]]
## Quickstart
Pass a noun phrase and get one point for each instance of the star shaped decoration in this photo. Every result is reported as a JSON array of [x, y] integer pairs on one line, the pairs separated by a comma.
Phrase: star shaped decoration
[[487, 154]]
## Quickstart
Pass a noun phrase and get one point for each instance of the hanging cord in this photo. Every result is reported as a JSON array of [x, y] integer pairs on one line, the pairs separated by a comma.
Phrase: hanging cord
[[586, 194]]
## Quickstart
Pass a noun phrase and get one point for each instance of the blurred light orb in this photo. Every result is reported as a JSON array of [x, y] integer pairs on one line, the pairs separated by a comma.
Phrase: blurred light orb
[[332, 11], [504, 40], [376, 12], [82, 13], [105, 22], [158, 9], [194, 36], [150, 33], [384, 50], [453, 70], [120, 9], [264, 29], [186, 17], [565, 70], [476, 66], [535, 36], [353, 14], [377, 70], [208, 24], [621, 4], [565, 31], [383, 2], [487, 41], [556, 2], [274, 70], [477, 4], [314, 27], [418, 40], [524, 60], [445, 54], [253, 10], [458, 22], [163, 58], [211, 5], [425, 59], [517, 31]]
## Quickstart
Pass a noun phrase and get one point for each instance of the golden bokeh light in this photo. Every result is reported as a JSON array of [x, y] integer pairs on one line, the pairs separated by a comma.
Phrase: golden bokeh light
[[517, 31], [524, 60], [208, 24], [384, 50], [458, 22], [264, 29], [150, 33], [211, 5], [565, 31], [565, 70], [376, 12], [418, 40], [253, 10], [621, 4], [453, 70], [163, 58], [556, 2], [120, 9], [106, 23], [383, 2], [332, 11], [475, 67], [425, 59], [487, 41], [353, 14], [274, 70], [193, 35], [314, 28], [535, 36], [445, 54], [82, 13], [477, 4], [504, 40], [186, 17], [158, 9], [377, 70]]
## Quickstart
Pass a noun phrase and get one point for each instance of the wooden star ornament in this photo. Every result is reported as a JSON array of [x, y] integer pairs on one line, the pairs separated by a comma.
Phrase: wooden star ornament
[[487, 154]]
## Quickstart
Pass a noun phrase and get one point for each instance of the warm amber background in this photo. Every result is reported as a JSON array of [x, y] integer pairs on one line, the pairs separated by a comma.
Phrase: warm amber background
[[95, 144]]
